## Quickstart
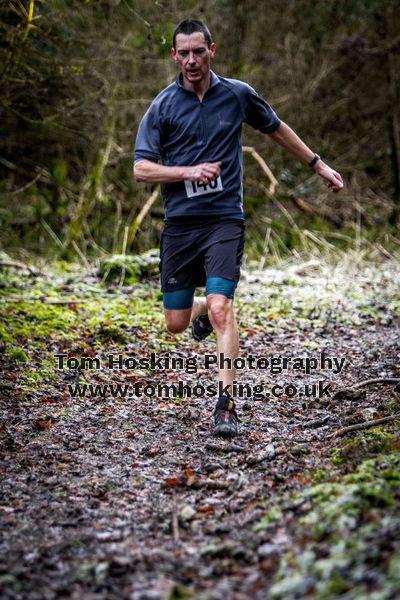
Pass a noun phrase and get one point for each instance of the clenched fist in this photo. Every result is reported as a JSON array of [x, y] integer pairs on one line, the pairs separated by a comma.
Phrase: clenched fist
[[204, 172]]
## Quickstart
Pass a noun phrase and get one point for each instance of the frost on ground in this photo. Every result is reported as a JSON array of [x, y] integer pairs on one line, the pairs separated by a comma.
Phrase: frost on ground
[[132, 497]]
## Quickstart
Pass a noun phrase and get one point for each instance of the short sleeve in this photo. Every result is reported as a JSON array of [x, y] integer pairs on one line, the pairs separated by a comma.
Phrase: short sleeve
[[149, 136], [259, 114]]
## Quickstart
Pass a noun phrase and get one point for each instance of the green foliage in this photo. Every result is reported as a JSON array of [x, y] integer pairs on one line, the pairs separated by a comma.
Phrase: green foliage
[[121, 268], [319, 475], [335, 522], [76, 316], [273, 515], [17, 355], [161, 37], [369, 443], [179, 593], [392, 406], [109, 59], [108, 333], [59, 171]]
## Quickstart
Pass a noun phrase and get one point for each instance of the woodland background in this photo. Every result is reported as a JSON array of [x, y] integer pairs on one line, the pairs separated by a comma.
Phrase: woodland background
[[77, 76], [107, 496]]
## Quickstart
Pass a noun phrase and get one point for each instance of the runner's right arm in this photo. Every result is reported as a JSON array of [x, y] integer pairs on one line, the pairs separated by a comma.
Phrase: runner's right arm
[[152, 172]]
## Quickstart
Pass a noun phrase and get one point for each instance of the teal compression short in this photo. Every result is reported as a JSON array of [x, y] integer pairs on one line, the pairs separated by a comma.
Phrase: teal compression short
[[183, 299], [200, 252]]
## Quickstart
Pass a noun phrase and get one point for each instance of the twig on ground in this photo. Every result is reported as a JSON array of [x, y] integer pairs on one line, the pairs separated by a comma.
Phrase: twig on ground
[[376, 380], [353, 393], [366, 425], [315, 423], [19, 265], [175, 524], [123, 271], [212, 484]]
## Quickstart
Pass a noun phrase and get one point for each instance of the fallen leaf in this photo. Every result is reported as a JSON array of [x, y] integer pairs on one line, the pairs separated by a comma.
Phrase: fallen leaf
[[41, 425], [206, 509], [172, 481], [190, 476]]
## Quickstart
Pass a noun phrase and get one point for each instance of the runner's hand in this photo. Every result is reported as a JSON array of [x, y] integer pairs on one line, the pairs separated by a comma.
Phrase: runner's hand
[[204, 172], [332, 178]]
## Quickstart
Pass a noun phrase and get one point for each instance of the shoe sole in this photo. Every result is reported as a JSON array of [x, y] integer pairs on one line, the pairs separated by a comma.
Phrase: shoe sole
[[225, 430]]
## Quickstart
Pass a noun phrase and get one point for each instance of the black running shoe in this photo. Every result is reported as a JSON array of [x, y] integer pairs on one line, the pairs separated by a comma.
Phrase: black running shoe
[[201, 327], [225, 418]]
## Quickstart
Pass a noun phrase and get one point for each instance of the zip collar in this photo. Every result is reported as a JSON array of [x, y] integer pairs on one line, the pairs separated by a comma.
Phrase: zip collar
[[214, 80]]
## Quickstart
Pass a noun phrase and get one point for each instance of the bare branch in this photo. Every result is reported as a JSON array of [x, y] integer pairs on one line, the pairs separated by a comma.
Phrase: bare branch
[[258, 158]]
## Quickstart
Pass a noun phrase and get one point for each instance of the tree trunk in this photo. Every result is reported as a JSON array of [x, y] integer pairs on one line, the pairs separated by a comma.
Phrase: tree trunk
[[394, 136], [92, 186]]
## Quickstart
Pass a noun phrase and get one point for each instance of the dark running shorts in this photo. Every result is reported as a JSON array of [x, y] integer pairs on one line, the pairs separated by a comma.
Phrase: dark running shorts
[[194, 250]]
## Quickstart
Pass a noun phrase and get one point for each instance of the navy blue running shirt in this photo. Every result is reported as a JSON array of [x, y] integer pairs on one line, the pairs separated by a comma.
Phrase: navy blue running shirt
[[180, 130]]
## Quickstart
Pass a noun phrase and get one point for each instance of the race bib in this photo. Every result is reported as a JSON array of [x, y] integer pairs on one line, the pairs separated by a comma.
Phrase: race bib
[[198, 188]]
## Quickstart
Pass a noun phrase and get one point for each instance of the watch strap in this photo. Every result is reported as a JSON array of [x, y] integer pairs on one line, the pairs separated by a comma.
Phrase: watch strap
[[314, 160]]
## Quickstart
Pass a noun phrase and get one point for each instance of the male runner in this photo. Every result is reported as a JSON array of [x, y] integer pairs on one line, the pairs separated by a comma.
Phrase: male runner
[[189, 141]]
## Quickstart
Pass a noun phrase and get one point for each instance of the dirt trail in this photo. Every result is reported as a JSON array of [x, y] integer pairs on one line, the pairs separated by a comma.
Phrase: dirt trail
[[134, 498]]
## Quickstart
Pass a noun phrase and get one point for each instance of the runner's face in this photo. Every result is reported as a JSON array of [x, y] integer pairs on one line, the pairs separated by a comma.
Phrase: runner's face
[[193, 56]]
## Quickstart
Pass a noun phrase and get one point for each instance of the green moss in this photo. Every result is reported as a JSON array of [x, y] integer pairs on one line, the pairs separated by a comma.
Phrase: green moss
[[17, 355], [367, 444], [319, 476], [179, 593], [274, 515], [120, 268], [337, 584], [111, 333], [38, 374], [341, 518], [393, 406], [395, 307], [10, 581], [34, 320], [4, 336], [369, 486]]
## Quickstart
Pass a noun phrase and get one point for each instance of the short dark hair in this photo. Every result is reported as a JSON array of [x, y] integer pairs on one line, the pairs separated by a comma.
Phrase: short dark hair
[[189, 26]]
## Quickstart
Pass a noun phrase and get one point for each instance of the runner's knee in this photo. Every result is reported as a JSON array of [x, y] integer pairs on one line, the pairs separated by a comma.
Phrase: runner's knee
[[177, 309], [220, 311], [174, 327], [177, 321]]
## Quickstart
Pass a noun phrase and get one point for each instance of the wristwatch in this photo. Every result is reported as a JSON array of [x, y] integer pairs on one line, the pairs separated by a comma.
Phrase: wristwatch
[[314, 160]]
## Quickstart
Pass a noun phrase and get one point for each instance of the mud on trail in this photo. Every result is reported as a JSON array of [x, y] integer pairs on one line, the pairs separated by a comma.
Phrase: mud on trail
[[113, 497]]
